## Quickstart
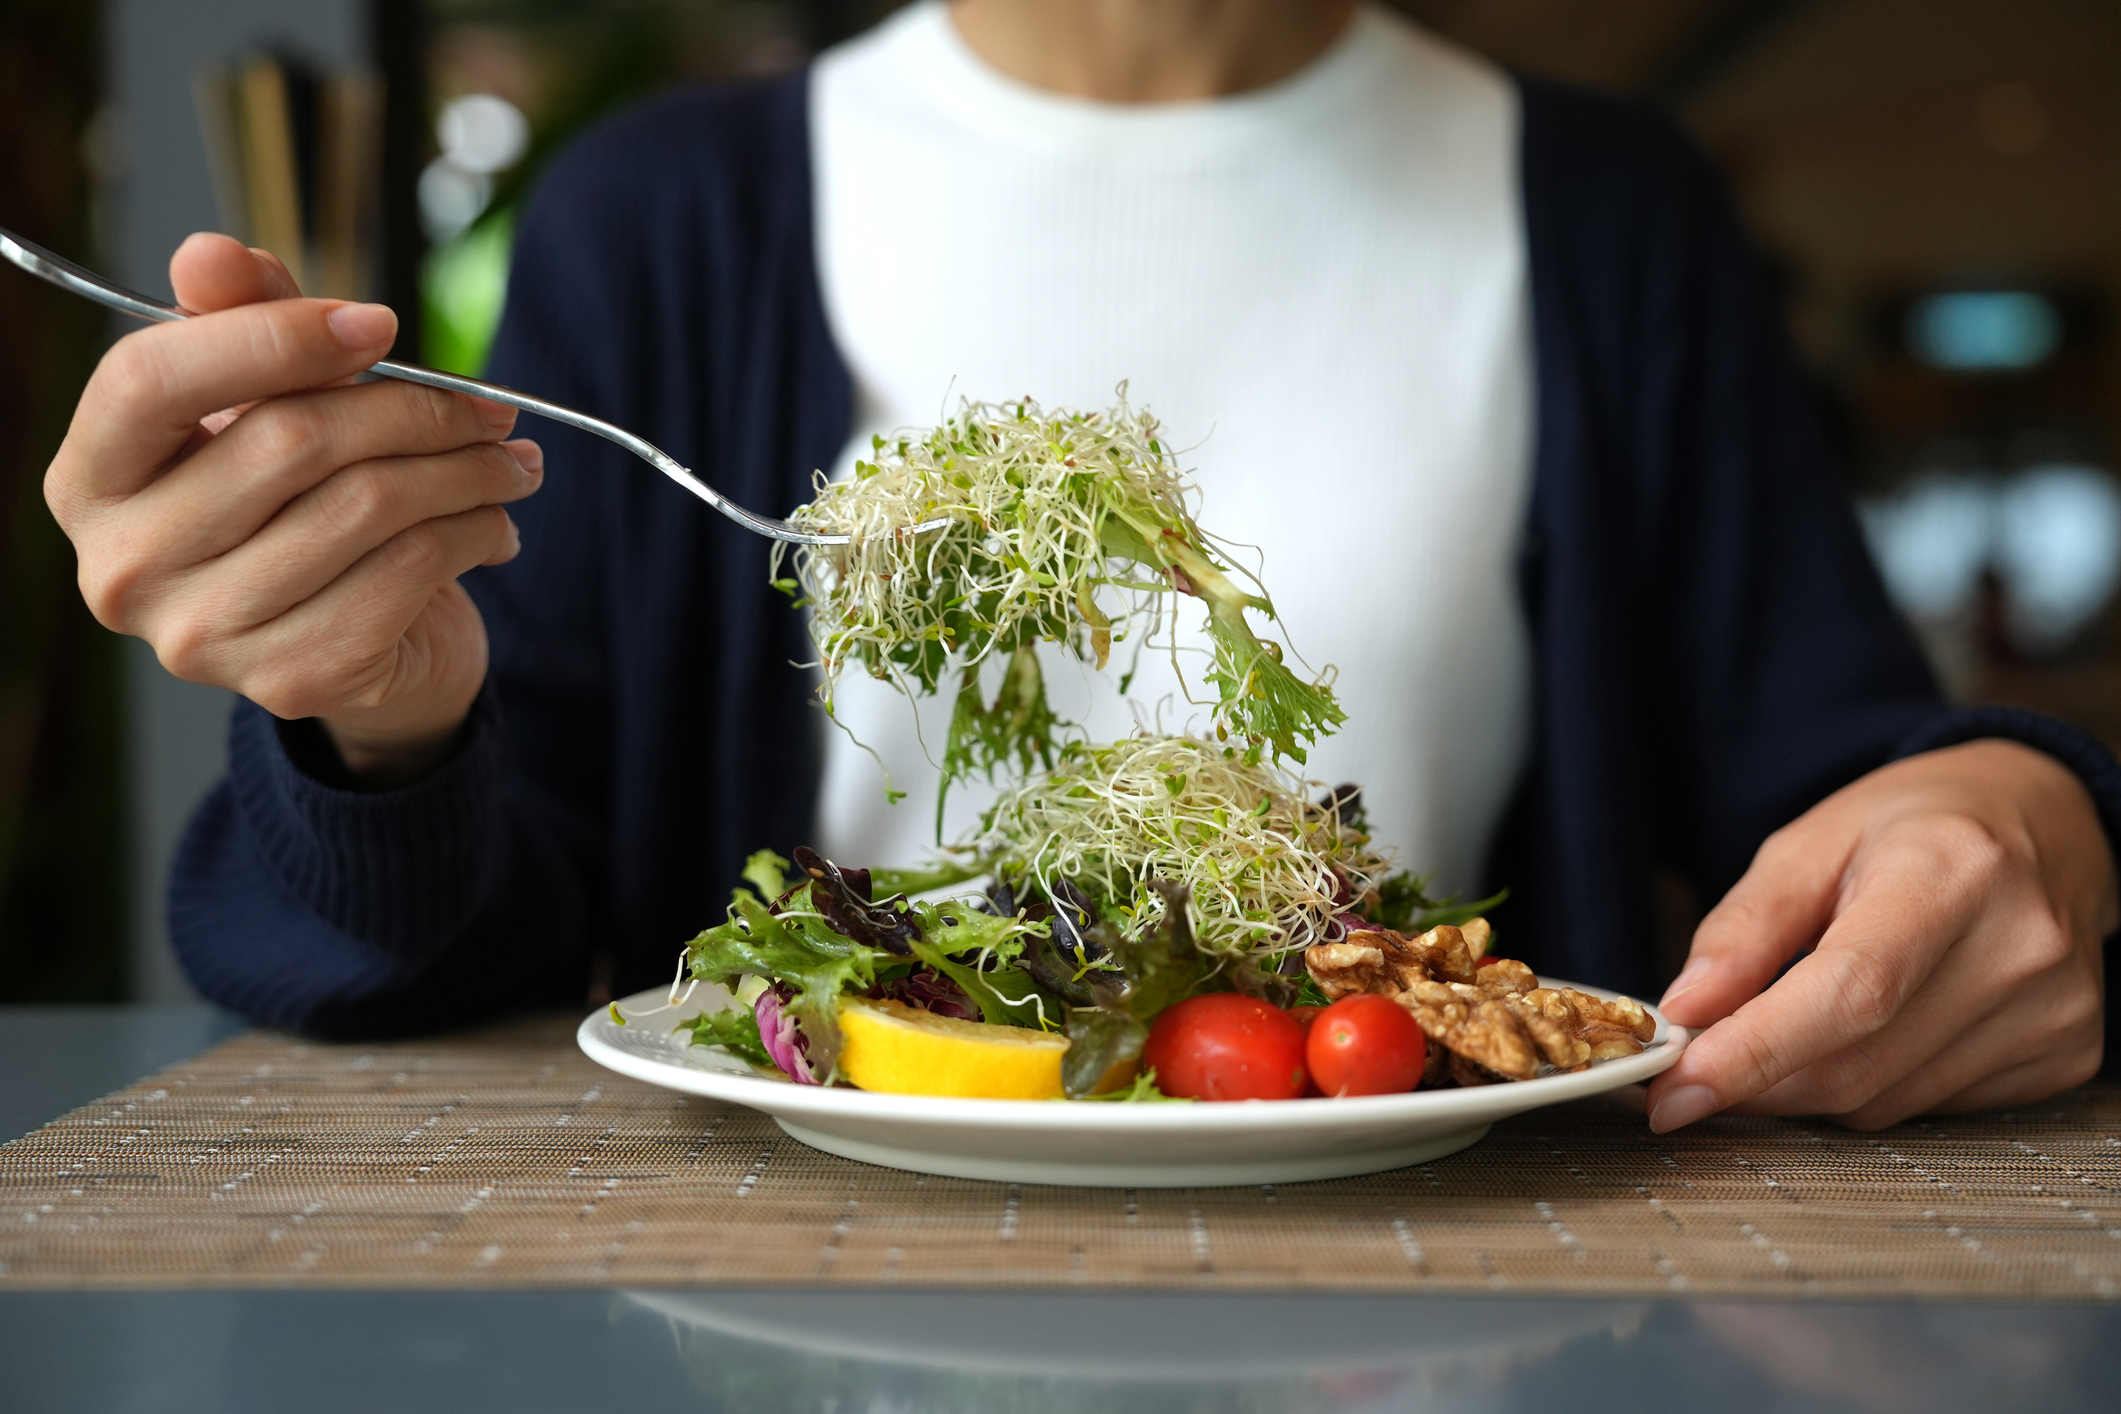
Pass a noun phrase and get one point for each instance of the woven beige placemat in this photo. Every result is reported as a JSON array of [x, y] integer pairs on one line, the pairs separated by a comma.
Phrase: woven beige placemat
[[506, 1158]]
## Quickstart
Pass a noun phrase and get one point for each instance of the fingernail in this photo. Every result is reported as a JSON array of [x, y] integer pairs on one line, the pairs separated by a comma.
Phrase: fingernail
[[515, 537], [1682, 1107], [528, 454], [1690, 976], [494, 414], [361, 326]]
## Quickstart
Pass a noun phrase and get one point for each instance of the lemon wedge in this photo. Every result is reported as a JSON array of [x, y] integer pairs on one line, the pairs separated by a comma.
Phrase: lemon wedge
[[901, 1050]]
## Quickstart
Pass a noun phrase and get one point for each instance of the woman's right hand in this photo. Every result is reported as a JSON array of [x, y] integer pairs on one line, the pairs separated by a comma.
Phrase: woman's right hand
[[271, 527]]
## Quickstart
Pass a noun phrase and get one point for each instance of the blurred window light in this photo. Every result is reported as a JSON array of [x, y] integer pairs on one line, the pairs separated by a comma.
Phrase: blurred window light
[[482, 132], [1984, 330], [2058, 550], [1932, 541], [451, 199]]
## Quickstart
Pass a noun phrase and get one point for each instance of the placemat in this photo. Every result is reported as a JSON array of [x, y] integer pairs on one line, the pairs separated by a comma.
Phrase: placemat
[[505, 1158]]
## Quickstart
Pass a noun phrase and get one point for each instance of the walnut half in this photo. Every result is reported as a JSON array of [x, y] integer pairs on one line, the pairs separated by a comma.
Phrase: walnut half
[[1445, 952], [1505, 977], [1467, 1024], [1343, 969]]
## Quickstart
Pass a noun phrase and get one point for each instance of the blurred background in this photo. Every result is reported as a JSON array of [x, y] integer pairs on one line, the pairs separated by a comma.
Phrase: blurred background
[[1935, 187]]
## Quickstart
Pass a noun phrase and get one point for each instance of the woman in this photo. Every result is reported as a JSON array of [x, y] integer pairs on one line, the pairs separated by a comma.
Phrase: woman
[[1488, 376]]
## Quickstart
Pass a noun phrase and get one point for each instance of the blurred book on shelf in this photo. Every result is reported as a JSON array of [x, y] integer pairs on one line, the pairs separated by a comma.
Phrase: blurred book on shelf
[[294, 155]]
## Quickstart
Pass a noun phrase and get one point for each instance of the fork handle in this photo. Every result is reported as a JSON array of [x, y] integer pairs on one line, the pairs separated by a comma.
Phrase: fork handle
[[64, 273]]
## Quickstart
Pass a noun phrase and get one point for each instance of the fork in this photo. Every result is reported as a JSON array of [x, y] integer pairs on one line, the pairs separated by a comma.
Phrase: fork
[[69, 276]]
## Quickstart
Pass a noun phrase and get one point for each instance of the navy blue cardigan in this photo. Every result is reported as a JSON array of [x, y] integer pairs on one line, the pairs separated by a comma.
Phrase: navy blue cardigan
[[1714, 653]]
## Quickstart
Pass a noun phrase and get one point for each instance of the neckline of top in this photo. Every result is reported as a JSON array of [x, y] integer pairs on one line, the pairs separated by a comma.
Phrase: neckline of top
[[946, 70]]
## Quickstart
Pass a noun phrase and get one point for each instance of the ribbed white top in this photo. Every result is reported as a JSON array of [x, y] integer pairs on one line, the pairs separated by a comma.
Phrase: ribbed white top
[[1319, 287]]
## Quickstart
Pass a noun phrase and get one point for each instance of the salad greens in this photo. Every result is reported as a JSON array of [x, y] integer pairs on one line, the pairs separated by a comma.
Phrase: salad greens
[[1404, 907], [735, 1030], [1048, 513], [1118, 878], [796, 948], [1130, 877], [824, 937], [1125, 984]]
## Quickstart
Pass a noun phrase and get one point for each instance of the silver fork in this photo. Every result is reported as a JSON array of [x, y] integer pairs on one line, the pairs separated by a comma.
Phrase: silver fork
[[69, 276]]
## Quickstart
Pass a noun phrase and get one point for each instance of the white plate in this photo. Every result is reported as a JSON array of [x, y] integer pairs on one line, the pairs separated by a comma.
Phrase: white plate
[[1100, 1145]]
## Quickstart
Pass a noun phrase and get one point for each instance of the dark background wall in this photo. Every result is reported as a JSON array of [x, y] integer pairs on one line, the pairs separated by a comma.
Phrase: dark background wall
[[62, 906]]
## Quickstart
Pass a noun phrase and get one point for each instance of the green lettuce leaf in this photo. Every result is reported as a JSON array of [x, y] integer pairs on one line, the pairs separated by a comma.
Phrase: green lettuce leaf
[[1404, 906], [1097, 1041], [1142, 1090], [735, 1030], [768, 873], [1005, 995], [799, 950], [885, 883]]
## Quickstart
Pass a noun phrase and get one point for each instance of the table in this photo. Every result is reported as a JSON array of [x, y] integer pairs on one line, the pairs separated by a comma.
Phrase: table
[[848, 1349]]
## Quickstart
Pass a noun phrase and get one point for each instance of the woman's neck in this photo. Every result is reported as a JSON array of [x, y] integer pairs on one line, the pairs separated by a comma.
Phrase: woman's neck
[[1150, 51]]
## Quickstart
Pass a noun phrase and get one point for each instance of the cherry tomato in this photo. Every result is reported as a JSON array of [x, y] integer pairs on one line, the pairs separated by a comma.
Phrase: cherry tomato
[[1366, 1045], [1227, 1047], [1486, 960]]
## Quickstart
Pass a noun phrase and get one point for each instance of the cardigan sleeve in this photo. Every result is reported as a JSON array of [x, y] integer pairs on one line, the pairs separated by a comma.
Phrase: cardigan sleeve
[[303, 903], [641, 729], [1715, 650]]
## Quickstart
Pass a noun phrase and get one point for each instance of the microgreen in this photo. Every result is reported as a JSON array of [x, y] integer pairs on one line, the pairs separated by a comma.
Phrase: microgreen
[[1264, 869], [1051, 516]]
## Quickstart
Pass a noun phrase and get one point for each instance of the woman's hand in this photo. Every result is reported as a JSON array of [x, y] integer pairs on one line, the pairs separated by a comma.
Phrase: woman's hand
[[1953, 904], [271, 527]]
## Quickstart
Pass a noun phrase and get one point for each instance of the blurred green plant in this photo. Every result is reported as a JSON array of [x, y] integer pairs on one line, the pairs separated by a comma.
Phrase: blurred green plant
[[463, 284]]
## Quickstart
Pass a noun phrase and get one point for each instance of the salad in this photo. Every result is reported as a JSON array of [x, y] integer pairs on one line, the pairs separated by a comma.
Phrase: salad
[[1165, 917], [1152, 919]]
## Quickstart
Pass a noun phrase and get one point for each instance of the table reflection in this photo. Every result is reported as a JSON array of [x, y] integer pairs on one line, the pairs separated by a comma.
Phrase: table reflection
[[1120, 1353], [1116, 1353]]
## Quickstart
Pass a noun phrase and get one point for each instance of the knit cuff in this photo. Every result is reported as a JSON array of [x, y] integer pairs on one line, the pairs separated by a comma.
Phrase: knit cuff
[[403, 870], [2085, 755]]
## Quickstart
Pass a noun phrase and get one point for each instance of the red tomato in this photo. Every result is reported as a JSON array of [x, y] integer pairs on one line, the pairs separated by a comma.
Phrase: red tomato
[[1227, 1047], [1305, 1015], [1366, 1045], [1486, 960]]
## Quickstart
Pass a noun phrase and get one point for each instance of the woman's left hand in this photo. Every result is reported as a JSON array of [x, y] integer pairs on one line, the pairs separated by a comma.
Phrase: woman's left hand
[[1953, 905]]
